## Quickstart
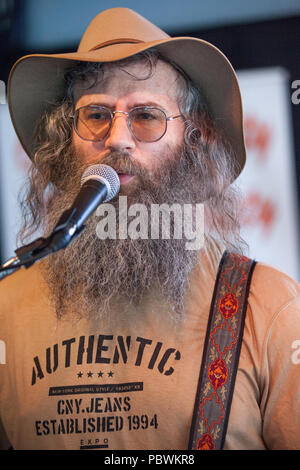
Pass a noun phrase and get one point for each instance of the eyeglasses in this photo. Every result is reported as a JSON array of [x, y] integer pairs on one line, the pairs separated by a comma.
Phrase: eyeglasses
[[146, 123]]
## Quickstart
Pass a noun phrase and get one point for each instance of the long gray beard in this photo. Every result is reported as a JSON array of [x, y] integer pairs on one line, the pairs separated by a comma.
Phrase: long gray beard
[[91, 274]]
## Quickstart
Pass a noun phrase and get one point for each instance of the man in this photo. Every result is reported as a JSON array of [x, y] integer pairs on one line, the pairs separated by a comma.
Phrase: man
[[104, 339]]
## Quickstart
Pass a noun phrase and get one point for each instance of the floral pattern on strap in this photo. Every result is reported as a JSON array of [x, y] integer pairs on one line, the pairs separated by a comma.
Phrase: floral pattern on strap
[[221, 352]]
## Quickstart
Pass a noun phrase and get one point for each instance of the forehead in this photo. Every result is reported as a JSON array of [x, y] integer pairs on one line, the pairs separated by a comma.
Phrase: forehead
[[137, 79]]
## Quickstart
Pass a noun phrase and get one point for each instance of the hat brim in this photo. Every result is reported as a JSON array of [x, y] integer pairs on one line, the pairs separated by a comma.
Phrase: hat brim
[[37, 80]]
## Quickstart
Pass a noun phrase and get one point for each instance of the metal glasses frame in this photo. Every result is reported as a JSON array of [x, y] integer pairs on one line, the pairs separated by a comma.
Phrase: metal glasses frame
[[112, 114]]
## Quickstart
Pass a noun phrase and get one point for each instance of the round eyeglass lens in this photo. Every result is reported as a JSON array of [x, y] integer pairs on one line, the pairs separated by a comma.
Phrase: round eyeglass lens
[[93, 123], [148, 124]]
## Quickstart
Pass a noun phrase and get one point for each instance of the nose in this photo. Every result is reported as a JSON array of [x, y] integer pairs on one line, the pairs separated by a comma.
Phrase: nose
[[120, 136]]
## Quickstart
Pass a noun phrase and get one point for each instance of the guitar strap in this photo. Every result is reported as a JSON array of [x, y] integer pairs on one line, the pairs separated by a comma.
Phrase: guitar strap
[[221, 352]]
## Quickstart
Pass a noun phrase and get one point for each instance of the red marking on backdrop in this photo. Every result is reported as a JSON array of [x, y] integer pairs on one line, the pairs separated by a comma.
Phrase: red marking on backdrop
[[258, 136], [260, 211]]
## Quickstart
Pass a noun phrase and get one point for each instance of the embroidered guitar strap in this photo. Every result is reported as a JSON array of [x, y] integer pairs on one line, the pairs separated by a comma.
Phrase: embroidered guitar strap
[[221, 352]]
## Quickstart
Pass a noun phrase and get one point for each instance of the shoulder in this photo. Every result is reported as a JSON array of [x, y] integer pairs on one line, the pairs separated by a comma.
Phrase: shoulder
[[271, 281], [272, 291], [274, 327], [269, 364], [273, 315], [272, 323], [21, 289]]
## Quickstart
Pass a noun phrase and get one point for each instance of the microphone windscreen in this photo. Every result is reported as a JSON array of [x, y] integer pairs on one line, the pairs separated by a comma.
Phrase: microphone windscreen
[[107, 175]]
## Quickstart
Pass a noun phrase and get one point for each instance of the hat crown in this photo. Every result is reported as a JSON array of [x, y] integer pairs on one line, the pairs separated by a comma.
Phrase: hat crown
[[119, 25]]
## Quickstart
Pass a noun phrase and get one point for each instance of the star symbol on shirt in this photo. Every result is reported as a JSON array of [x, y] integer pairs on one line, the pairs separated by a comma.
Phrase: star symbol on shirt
[[79, 375], [110, 374], [100, 374], [90, 374]]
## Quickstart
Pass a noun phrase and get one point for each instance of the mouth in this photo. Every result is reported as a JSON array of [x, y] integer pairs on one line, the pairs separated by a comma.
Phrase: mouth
[[124, 177]]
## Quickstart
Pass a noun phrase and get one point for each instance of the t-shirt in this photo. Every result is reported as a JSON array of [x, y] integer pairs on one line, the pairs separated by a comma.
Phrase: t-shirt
[[128, 381]]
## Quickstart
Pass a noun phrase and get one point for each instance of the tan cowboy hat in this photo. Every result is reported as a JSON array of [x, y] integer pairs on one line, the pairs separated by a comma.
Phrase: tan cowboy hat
[[38, 79]]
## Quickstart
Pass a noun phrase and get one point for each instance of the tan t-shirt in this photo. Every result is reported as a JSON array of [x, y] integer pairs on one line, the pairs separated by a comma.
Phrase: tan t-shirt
[[129, 382]]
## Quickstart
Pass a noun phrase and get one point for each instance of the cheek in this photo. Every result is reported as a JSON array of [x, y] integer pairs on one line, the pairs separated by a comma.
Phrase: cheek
[[178, 131], [77, 143], [166, 150], [86, 151], [159, 155]]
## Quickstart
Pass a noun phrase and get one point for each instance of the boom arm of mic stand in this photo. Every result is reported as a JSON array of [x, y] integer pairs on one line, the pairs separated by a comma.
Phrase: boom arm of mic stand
[[27, 255]]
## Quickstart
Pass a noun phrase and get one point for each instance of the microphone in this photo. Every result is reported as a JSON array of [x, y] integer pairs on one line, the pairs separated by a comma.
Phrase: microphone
[[99, 183]]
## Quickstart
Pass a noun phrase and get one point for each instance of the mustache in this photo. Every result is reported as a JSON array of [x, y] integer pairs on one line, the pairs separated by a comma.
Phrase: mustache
[[123, 163]]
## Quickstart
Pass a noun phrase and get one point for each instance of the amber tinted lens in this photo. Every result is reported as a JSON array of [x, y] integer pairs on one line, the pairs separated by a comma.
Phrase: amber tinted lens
[[148, 124], [92, 123]]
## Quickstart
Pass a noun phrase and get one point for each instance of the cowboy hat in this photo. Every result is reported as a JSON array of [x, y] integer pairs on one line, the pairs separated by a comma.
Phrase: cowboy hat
[[38, 79]]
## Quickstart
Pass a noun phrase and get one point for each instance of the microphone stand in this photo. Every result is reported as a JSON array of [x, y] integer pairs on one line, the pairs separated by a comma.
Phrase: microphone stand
[[96, 186], [64, 233]]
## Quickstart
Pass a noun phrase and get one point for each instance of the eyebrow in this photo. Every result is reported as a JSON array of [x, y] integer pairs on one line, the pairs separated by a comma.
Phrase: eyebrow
[[149, 103], [136, 105]]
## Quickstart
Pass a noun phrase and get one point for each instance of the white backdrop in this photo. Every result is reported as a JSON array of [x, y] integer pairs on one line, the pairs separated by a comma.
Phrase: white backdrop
[[270, 215], [14, 165]]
